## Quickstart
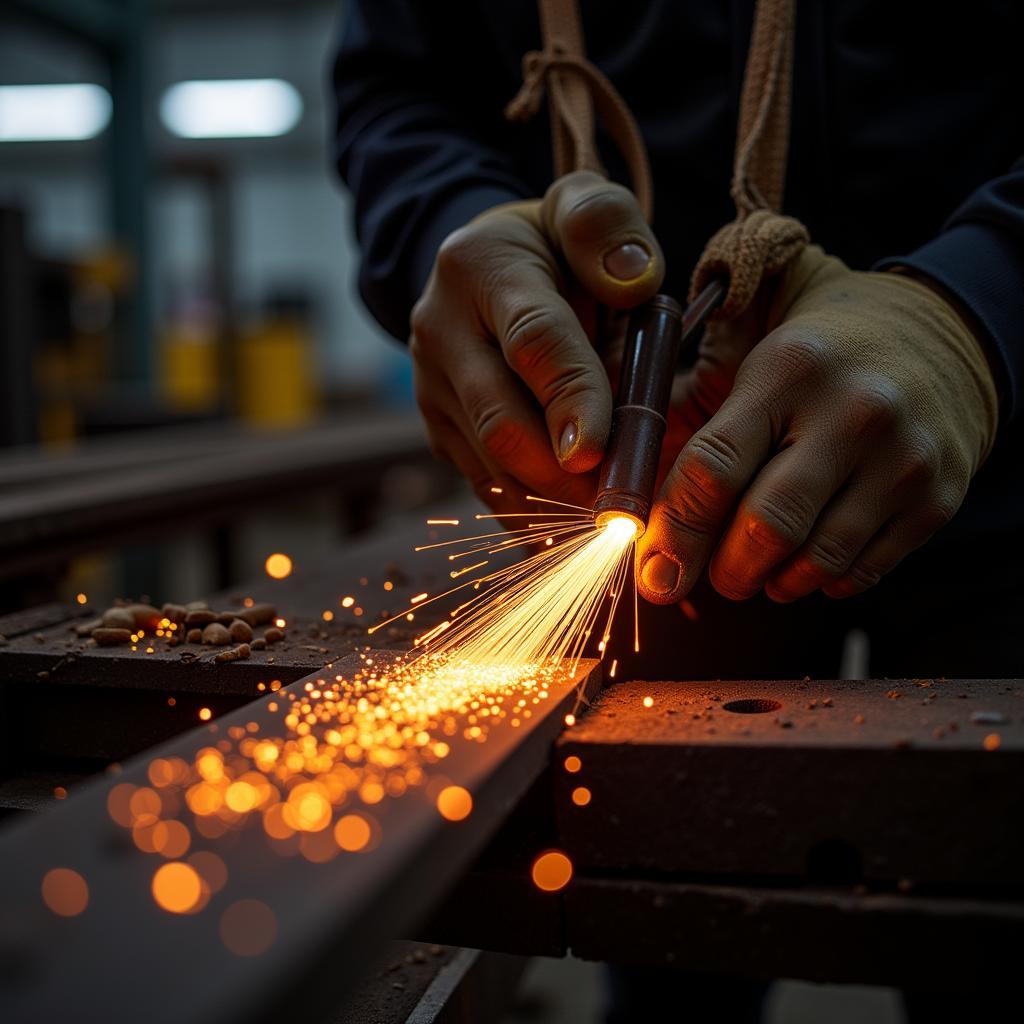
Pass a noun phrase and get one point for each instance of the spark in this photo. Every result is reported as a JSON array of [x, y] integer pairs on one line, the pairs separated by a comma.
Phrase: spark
[[551, 871], [65, 892], [542, 609], [518, 630], [442, 522], [278, 566]]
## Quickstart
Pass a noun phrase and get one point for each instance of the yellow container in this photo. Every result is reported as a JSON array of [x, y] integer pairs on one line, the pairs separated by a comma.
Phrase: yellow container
[[275, 385], [189, 371]]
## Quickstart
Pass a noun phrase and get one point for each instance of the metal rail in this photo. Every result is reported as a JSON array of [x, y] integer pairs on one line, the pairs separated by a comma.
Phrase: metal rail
[[124, 958], [41, 524]]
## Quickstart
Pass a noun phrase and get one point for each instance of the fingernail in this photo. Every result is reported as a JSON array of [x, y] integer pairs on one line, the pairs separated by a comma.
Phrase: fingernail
[[570, 433], [661, 574], [627, 262]]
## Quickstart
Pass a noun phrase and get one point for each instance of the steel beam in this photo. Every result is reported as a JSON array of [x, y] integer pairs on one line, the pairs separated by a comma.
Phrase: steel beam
[[124, 958]]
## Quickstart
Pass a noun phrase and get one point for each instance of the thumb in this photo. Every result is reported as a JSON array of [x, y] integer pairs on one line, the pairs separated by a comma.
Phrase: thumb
[[598, 228]]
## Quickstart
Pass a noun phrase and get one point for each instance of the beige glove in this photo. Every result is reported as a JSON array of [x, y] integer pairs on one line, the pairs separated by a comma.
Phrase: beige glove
[[827, 451]]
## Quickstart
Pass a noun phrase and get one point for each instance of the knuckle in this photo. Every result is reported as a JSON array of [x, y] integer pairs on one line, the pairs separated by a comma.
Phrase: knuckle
[[593, 215], [418, 339], [532, 337], [692, 499], [568, 383], [498, 432], [438, 449], [863, 574], [827, 554], [728, 582], [876, 403], [919, 463], [800, 355], [713, 457], [685, 516], [776, 515], [937, 513], [459, 251]]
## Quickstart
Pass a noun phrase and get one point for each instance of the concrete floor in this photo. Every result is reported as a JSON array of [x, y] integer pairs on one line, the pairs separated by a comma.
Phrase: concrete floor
[[572, 992]]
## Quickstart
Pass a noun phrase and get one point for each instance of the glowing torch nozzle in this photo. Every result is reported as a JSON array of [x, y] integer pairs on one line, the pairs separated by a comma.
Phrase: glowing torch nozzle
[[654, 337]]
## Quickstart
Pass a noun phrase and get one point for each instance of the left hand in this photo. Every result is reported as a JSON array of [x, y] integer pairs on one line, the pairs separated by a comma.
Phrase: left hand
[[835, 446]]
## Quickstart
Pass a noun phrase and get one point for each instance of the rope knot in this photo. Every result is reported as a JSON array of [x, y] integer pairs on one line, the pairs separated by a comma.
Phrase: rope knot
[[746, 251], [537, 65], [575, 87]]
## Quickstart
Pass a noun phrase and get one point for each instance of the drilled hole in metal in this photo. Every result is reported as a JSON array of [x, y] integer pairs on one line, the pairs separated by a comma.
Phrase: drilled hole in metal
[[752, 706]]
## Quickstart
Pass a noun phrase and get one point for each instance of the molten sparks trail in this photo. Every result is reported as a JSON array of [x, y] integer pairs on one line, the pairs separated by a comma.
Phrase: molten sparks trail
[[540, 610], [342, 744]]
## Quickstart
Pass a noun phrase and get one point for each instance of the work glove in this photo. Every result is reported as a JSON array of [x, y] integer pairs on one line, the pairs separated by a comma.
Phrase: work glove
[[506, 374], [835, 427]]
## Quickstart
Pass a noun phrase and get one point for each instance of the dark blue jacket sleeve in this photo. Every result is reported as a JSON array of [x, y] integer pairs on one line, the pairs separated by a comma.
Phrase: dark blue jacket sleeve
[[979, 257], [416, 164]]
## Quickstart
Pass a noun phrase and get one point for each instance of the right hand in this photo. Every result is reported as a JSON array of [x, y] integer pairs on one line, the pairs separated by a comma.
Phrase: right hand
[[506, 374]]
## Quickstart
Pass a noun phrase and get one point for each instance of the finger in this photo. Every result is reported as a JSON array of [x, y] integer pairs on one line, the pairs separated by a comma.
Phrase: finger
[[604, 238], [843, 530], [452, 440], [448, 443], [508, 270], [777, 513], [698, 497], [891, 479], [543, 342], [507, 428], [894, 541]]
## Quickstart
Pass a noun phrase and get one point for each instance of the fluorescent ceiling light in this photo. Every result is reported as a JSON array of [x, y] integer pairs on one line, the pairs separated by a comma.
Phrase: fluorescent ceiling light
[[52, 113], [231, 108]]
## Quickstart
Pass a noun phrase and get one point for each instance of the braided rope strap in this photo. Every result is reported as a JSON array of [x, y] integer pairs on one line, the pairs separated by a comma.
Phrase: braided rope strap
[[760, 242], [575, 89]]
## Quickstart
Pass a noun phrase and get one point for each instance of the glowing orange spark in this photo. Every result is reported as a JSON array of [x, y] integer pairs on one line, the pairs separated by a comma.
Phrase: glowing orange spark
[[177, 887], [278, 566], [454, 803], [551, 871], [65, 892]]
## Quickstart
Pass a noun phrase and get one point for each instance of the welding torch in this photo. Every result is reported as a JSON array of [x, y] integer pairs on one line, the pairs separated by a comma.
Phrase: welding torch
[[658, 332]]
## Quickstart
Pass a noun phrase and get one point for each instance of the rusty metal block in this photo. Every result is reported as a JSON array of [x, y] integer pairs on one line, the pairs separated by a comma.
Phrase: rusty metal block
[[879, 779]]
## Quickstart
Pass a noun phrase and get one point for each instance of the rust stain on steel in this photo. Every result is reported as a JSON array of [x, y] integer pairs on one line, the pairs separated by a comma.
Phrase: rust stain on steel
[[875, 779]]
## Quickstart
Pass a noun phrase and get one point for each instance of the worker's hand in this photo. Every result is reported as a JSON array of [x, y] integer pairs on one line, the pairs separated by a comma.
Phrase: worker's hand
[[835, 446], [507, 377]]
